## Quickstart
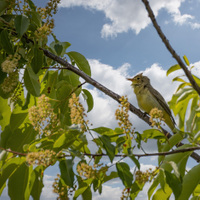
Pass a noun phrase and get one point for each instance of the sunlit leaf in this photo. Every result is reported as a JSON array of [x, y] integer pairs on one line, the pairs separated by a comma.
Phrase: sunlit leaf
[[81, 61], [190, 182], [186, 60], [31, 81], [173, 68]]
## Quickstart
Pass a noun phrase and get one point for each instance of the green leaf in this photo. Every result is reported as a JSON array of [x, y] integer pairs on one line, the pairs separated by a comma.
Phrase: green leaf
[[84, 185], [135, 161], [19, 138], [66, 169], [5, 112], [152, 134], [37, 174], [81, 61], [89, 99], [37, 60], [110, 149], [101, 130], [173, 68], [5, 42], [190, 182], [174, 183], [32, 5], [17, 119], [186, 60], [160, 194], [124, 174], [7, 170], [153, 186], [58, 48], [3, 5], [18, 184], [21, 24], [31, 81]]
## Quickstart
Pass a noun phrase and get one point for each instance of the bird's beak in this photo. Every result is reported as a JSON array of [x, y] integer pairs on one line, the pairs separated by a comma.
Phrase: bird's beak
[[129, 79]]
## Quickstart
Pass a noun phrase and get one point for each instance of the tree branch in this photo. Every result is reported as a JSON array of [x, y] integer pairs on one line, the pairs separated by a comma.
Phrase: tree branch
[[169, 47], [110, 93], [119, 155]]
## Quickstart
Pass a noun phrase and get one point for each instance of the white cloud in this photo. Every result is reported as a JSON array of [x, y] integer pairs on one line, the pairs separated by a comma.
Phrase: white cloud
[[131, 15], [115, 80]]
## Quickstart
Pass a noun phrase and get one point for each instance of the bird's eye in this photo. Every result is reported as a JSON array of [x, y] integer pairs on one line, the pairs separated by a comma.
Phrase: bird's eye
[[138, 78]]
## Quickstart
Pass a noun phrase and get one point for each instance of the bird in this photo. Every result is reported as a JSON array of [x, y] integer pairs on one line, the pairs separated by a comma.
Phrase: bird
[[149, 98]]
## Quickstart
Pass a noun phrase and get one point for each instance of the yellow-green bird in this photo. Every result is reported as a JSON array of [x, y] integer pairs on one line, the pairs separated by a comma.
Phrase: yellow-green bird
[[149, 98]]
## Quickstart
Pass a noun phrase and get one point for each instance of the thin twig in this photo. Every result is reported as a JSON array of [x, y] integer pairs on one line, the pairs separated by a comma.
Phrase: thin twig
[[169, 47]]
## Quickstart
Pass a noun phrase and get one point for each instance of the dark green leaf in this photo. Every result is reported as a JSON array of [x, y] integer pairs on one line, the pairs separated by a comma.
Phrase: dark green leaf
[[135, 161], [81, 61], [58, 48], [3, 5], [17, 119], [172, 69], [7, 170], [174, 183], [101, 130], [37, 175], [110, 149], [5, 42], [124, 173], [66, 169], [37, 60], [89, 99], [18, 184], [32, 5], [31, 81], [21, 24]]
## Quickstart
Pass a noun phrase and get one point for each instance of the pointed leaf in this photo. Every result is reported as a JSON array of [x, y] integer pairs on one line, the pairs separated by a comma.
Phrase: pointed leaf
[[124, 174], [186, 60], [3, 5], [31, 81], [37, 60], [172, 69], [66, 169], [5, 42], [110, 149], [81, 61], [18, 183], [89, 99], [21, 24], [190, 182]]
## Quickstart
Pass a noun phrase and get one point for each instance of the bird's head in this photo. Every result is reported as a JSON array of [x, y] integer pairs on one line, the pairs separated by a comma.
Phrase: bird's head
[[139, 80]]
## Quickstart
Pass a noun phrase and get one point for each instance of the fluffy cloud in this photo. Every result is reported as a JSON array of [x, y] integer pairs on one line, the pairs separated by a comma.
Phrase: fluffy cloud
[[131, 15]]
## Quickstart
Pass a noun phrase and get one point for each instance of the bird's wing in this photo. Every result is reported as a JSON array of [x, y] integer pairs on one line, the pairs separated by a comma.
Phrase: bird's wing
[[161, 101]]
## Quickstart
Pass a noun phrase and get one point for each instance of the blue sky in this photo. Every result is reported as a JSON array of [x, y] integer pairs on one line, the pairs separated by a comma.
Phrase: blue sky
[[119, 41]]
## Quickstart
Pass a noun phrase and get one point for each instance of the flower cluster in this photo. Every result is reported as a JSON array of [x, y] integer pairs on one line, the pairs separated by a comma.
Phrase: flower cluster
[[77, 112], [89, 171], [156, 116], [123, 117], [42, 117], [10, 82], [44, 157], [125, 193], [10, 64], [62, 190], [147, 176]]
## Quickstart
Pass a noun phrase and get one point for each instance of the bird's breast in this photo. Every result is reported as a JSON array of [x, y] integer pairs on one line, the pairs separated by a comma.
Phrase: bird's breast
[[146, 101]]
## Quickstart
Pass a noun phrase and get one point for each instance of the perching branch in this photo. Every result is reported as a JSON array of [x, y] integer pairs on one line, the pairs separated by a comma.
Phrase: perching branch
[[119, 155], [169, 47], [110, 93]]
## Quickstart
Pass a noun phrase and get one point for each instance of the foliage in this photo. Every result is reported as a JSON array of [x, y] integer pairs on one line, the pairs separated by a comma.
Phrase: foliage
[[43, 122]]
